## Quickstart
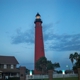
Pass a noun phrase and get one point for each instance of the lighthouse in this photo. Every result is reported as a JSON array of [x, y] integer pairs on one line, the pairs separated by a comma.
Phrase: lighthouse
[[39, 42]]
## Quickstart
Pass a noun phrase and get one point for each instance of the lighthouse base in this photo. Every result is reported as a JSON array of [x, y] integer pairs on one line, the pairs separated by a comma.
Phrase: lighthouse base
[[37, 72]]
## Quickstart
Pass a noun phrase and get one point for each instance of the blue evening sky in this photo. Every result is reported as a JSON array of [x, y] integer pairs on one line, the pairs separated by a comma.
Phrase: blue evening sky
[[61, 29]]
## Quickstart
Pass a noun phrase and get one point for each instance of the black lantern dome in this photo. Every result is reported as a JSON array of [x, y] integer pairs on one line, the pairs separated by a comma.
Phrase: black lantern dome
[[38, 18]]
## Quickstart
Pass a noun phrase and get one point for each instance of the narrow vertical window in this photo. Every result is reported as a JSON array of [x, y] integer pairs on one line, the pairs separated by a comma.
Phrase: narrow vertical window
[[12, 66], [5, 66]]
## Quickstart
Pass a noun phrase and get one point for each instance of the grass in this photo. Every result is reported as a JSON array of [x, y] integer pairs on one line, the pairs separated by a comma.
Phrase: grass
[[70, 78]]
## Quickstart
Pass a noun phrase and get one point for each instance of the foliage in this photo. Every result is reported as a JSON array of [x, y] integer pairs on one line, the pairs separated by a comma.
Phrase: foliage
[[56, 65], [75, 69], [71, 57], [27, 71], [59, 72], [49, 65], [32, 71], [44, 65], [41, 64], [76, 57], [78, 63]]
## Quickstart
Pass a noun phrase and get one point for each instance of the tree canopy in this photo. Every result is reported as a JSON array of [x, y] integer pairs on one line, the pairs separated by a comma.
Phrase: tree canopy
[[44, 65], [56, 65], [75, 56]]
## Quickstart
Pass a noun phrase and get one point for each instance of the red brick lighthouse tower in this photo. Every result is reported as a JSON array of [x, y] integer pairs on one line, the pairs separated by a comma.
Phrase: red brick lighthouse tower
[[39, 44]]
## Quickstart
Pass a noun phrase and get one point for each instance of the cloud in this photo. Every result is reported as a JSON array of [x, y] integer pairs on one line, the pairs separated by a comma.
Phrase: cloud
[[67, 42], [57, 22], [52, 41], [23, 37], [28, 35]]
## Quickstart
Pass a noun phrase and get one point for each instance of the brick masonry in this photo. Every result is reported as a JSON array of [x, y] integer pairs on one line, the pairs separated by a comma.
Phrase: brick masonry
[[22, 73], [50, 73], [78, 73]]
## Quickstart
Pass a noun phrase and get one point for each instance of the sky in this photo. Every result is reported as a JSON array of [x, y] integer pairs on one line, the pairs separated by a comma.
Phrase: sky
[[61, 29]]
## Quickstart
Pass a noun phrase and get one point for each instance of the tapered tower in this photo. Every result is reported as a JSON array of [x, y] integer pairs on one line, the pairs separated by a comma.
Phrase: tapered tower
[[39, 44]]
